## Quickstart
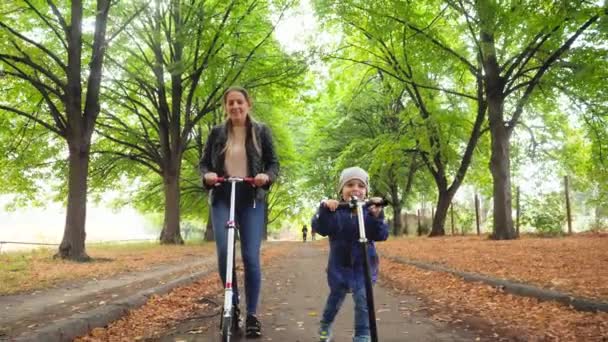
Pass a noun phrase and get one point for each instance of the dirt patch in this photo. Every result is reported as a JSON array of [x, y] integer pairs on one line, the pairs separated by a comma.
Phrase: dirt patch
[[62, 302], [506, 316], [27, 272], [575, 265]]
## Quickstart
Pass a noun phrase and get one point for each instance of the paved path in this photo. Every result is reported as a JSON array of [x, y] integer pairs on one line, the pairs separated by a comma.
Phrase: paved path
[[294, 292], [71, 309]]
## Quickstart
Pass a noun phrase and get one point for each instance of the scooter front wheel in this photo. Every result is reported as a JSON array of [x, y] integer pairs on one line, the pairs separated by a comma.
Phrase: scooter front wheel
[[226, 327]]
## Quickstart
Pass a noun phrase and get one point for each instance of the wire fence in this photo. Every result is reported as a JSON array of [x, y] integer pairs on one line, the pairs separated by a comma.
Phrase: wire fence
[[2, 243], [554, 213]]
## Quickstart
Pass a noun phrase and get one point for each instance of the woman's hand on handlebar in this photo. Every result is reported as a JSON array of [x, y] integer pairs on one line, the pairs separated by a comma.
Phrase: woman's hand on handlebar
[[261, 179], [210, 178]]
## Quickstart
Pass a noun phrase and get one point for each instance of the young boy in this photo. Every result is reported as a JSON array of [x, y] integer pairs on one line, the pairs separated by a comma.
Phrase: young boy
[[345, 269]]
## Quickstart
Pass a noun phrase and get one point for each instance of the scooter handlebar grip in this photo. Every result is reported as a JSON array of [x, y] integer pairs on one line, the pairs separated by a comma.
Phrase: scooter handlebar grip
[[350, 204], [249, 180]]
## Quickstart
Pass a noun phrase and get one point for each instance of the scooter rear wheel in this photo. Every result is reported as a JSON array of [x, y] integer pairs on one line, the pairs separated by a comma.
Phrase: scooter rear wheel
[[226, 325]]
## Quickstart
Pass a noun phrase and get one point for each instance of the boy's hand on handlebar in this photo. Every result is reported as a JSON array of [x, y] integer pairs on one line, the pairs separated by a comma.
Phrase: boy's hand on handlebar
[[374, 210], [376, 200], [375, 206], [330, 204], [210, 178], [261, 179]]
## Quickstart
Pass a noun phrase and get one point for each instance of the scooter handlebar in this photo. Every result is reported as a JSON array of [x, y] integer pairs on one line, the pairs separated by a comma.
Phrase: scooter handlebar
[[353, 203], [249, 180]]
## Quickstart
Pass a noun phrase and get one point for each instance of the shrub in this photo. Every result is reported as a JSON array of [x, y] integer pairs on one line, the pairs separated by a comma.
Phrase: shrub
[[545, 214]]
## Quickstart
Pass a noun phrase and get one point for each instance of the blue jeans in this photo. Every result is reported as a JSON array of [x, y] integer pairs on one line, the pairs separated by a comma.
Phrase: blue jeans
[[250, 223], [334, 302]]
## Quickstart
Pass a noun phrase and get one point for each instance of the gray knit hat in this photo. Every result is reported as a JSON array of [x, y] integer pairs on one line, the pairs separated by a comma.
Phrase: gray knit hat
[[354, 172]]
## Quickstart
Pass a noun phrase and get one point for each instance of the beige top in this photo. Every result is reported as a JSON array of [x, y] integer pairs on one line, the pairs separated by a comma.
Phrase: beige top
[[235, 161]]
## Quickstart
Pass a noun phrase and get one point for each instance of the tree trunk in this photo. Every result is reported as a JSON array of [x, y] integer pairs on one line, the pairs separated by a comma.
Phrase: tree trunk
[[171, 230], [72, 245], [209, 231], [500, 165], [397, 223], [441, 213]]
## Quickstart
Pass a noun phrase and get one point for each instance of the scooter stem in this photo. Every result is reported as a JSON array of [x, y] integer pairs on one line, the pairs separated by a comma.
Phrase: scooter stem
[[369, 291], [359, 206]]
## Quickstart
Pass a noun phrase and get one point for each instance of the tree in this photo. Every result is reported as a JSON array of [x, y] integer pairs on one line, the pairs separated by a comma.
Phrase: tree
[[513, 72], [362, 122], [507, 50], [42, 52], [392, 41], [178, 60]]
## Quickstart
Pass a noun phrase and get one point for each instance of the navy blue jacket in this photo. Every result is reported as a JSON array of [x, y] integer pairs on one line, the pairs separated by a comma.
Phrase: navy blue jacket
[[345, 264]]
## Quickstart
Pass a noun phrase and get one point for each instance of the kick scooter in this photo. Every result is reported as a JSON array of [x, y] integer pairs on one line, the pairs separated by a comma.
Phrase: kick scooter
[[369, 293], [227, 324]]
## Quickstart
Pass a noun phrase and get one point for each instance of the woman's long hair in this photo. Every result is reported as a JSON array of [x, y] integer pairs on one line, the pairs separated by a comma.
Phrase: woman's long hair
[[250, 121]]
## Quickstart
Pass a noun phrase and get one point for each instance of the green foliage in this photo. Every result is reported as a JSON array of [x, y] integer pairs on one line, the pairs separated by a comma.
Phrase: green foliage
[[465, 218], [425, 228], [368, 112], [599, 225], [546, 215], [144, 139]]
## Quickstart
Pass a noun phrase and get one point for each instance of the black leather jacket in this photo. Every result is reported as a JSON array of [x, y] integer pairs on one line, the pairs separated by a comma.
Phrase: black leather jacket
[[213, 160]]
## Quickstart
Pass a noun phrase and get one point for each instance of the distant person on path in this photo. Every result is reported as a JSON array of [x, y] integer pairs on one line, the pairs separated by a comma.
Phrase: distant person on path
[[240, 147], [313, 233], [345, 270], [304, 232]]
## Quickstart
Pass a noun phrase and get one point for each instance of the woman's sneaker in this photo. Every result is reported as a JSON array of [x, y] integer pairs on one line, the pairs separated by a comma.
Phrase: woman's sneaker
[[324, 332], [253, 327]]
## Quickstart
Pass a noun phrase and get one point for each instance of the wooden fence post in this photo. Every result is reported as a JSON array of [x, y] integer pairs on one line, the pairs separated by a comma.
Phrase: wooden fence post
[[477, 214], [568, 205], [518, 208], [452, 214], [419, 223]]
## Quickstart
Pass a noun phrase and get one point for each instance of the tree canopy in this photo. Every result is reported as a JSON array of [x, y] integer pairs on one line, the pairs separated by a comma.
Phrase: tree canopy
[[429, 97]]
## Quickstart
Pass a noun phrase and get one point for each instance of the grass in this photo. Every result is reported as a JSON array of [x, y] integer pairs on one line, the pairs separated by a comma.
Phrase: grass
[[23, 272]]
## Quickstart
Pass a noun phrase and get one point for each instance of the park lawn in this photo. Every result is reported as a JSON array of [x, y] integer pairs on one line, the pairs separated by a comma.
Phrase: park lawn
[[574, 264], [23, 272]]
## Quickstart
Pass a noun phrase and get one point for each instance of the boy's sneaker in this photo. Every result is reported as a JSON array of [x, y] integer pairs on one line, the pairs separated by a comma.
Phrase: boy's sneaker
[[365, 338], [253, 327], [324, 332]]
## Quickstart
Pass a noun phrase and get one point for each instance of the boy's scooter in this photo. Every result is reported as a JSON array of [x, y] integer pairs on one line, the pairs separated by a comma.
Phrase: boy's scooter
[[369, 292], [227, 318]]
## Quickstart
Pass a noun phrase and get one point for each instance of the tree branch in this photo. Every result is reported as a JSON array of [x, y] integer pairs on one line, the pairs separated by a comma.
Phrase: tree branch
[[543, 69], [39, 46], [370, 64], [45, 20], [33, 118]]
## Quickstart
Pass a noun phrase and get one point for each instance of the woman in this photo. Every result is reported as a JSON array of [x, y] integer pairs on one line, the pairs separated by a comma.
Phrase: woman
[[240, 147]]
